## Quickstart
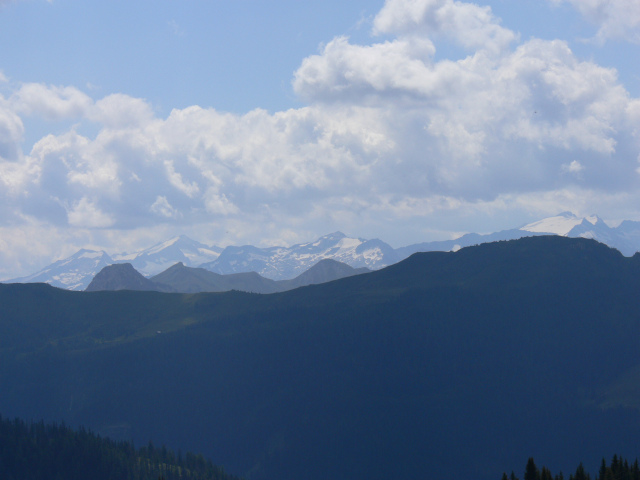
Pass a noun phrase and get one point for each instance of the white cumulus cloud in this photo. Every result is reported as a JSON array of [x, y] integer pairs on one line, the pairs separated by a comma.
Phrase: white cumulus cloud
[[85, 213], [392, 140], [50, 102], [162, 207], [11, 132], [616, 19], [468, 24]]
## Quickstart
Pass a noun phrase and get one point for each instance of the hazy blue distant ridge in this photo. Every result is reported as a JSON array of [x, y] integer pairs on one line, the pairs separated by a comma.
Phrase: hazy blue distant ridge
[[285, 263]]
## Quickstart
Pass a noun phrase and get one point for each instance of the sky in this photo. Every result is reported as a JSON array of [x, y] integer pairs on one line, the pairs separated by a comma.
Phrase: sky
[[272, 123]]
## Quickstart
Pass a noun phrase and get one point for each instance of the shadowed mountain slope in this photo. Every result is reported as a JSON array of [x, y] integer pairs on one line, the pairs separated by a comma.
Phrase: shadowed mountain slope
[[324, 271], [445, 365], [122, 276], [194, 280], [179, 278]]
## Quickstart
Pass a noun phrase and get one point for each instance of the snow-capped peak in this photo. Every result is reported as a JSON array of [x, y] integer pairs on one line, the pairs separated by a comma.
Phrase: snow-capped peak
[[161, 256], [560, 224], [161, 246]]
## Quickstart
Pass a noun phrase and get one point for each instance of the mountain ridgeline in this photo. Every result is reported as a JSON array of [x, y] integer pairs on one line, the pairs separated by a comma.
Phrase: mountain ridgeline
[[444, 365], [285, 263], [181, 279]]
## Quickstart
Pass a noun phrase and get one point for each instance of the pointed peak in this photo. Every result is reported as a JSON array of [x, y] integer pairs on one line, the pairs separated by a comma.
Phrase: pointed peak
[[180, 241], [184, 239], [326, 262]]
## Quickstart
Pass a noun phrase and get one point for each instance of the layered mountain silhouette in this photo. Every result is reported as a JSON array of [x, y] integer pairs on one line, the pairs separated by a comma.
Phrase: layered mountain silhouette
[[182, 279], [445, 365], [163, 255], [284, 263]]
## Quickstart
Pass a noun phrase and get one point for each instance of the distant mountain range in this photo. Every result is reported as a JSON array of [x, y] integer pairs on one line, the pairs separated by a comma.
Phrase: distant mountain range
[[625, 237], [161, 256], [182, 279], [77, 271], [284, 263]]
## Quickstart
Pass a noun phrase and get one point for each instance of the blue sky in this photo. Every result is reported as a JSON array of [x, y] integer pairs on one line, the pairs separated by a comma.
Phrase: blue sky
[[234, 56], [124, 123]]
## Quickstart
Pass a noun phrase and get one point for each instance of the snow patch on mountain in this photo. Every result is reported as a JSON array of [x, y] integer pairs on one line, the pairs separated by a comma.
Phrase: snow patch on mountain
[[73, 273], [560, 224], [163, 255], [283, 263]]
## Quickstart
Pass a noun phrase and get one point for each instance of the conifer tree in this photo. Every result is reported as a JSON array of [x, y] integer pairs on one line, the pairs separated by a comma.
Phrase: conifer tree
[[580, 473], [531, 472], [602, 473]]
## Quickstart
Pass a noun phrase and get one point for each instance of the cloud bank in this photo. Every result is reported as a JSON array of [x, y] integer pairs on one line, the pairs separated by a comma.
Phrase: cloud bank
[[390, 139]]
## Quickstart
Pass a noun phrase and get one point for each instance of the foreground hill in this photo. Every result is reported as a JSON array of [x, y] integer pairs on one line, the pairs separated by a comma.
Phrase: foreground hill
[[445, 365]]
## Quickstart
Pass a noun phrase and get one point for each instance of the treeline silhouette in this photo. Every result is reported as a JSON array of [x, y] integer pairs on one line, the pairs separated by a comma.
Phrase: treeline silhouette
[[618, 469], [39, 451]]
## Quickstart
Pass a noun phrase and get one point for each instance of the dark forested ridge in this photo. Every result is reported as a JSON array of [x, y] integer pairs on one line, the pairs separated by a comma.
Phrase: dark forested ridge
[[454, 364], [618, 469], [39, 451]]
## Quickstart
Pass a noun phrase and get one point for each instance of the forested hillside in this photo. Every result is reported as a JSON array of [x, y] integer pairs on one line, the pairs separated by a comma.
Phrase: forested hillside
[[445, 365], [618, 469], [39, 451]]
